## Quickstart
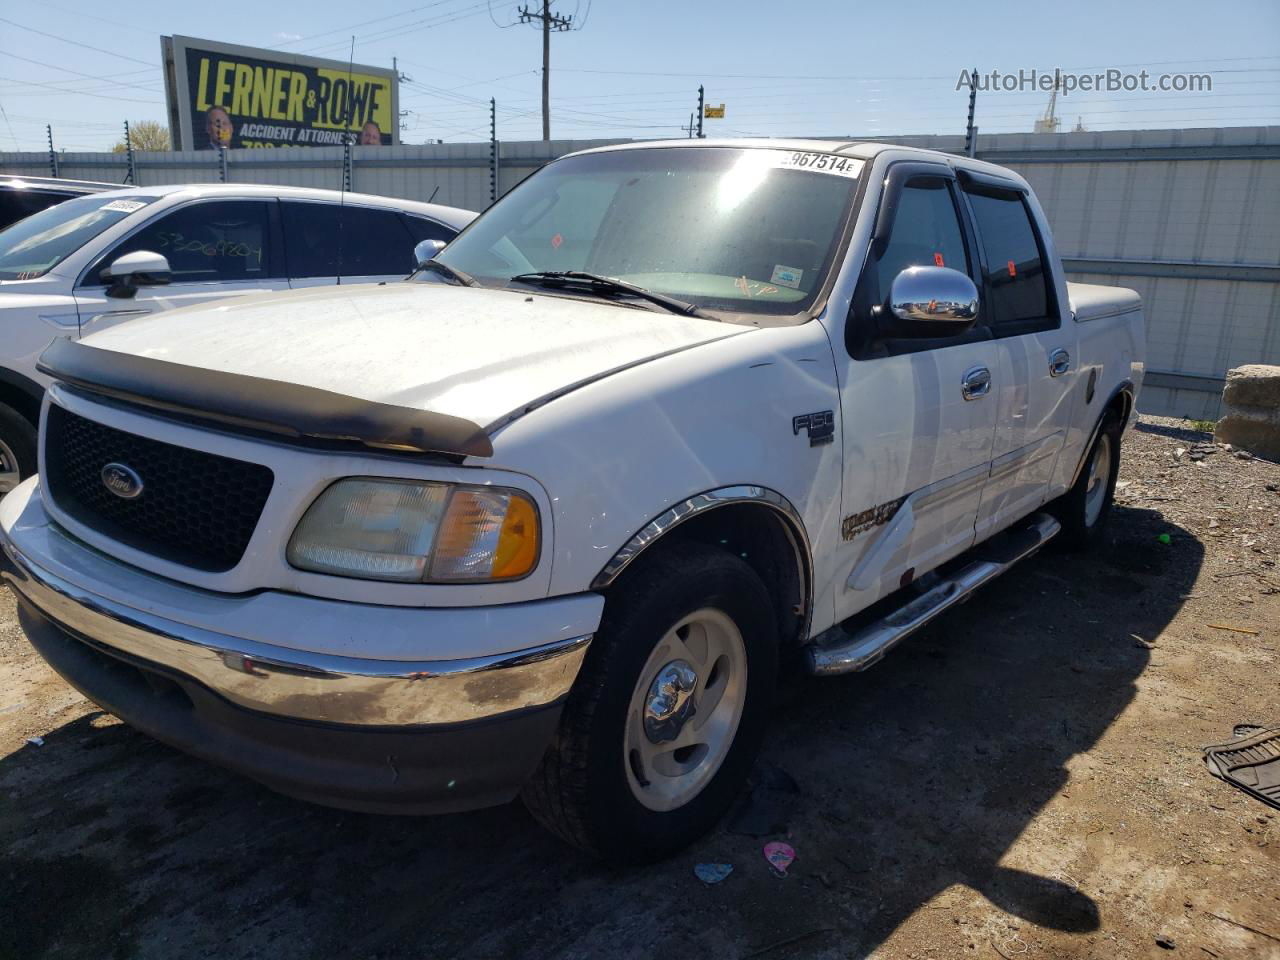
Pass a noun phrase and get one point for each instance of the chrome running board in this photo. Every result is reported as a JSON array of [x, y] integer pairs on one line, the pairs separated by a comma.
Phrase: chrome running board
[[837, 651]]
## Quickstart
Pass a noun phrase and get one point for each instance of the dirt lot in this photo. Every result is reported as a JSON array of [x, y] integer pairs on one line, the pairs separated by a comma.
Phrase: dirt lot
[[1021, 780]]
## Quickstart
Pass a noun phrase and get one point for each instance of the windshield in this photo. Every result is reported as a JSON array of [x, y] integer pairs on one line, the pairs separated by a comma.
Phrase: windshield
[[745, 231], [34, 246]]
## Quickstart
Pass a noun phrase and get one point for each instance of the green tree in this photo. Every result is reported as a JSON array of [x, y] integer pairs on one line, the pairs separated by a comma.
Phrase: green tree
[[146, 135]]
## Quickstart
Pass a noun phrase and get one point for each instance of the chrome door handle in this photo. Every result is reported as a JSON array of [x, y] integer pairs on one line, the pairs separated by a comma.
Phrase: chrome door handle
[[976, 383], [1059, 363]]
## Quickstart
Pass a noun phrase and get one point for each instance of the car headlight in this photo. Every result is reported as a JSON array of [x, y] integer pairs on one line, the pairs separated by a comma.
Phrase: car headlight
[[417, 532]]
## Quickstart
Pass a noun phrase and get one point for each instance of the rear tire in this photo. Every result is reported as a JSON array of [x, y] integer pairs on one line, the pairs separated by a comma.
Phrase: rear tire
[[17, 448], [1083, 510], [647, 758]]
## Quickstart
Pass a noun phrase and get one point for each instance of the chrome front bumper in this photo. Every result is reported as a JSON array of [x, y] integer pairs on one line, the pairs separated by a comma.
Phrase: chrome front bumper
[[319, 687], [376, 732], [40, 563]]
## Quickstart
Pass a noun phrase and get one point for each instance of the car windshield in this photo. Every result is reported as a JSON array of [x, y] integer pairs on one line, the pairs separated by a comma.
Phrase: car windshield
[[739, 230], [34, 246]]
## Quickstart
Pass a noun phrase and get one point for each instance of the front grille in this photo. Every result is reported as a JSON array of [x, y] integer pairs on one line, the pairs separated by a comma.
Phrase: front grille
[[195, 508]]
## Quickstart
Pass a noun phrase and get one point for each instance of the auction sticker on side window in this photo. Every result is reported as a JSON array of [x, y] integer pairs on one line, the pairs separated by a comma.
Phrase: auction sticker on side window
[[819, 163], [124, 206]]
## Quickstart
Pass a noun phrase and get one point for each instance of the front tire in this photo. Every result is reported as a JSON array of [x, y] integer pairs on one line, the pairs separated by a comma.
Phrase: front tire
[[663, 724], [17, 448], [1083, 510]]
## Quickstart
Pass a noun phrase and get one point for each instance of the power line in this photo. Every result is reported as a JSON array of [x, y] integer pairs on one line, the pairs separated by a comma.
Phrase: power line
[[77, 43], [87, 76], [78, 93]]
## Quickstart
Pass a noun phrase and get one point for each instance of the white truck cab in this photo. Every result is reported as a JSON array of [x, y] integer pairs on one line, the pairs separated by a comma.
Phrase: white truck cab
[[551, 517], [99, 259]]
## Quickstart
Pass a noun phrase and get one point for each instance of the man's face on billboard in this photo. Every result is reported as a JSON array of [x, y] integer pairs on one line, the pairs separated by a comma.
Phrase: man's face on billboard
[[218, 125], [370, 136]]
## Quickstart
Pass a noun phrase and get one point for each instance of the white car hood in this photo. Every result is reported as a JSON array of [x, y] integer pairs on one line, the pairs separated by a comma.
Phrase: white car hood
[[464, 351]]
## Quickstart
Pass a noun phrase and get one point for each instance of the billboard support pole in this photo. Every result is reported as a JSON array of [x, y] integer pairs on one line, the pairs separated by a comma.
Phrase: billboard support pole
[[493, 149], [53, 157], [131, 175]]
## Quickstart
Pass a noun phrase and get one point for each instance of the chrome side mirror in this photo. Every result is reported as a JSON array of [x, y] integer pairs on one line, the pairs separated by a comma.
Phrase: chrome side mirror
[[934, 295], [426, 250], [142, 268]]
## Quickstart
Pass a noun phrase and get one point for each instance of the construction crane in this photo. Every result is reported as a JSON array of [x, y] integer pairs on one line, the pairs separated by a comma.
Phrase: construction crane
[[1050, 122]]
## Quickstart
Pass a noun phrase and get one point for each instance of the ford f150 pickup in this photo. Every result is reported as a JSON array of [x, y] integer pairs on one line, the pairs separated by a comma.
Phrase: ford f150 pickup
[[551, 517]]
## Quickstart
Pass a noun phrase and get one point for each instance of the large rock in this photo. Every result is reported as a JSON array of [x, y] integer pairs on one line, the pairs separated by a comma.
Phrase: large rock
[[1253, 385], [1251, 410]]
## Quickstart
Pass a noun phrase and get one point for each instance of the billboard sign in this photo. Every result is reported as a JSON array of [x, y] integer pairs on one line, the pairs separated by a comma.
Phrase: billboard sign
[[224, 95]]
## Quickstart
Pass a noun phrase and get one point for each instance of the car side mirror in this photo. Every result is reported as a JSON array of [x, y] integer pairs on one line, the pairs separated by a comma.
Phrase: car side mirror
[[934, 295], [426, 250], [142, 268]]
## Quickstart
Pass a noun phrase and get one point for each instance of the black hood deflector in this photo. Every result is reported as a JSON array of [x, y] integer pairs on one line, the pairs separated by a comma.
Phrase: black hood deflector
[[256, 403]]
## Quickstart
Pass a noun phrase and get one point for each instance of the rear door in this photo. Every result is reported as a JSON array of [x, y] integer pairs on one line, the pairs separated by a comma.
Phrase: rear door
[[918, 422], [215, 248], [1037, 366], [325, 241]]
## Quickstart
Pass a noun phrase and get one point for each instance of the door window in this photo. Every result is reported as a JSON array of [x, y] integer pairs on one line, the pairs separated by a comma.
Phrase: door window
[[926, 233], [424, 229], [216, 242], [1017, 284], [332, 240]]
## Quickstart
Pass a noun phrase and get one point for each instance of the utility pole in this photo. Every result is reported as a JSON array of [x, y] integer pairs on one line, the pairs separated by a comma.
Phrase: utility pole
[[971, 132], [702, 107], [493, 149], [550, 21], [53, 157], [131, 174], [690, 128]]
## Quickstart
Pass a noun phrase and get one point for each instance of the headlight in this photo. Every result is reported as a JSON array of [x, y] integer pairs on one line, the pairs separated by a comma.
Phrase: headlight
[[417, 532]]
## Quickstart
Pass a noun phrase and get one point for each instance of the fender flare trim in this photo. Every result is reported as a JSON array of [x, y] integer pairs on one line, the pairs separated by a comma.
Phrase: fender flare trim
[[701, 503], [1125, 387]]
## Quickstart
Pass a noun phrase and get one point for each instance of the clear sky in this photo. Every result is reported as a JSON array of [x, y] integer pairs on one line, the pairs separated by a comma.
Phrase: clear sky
[[819, 67]]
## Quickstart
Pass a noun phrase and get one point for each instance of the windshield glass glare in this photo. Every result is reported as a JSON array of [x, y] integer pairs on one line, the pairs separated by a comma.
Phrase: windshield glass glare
[[32, 247], [751, 231]]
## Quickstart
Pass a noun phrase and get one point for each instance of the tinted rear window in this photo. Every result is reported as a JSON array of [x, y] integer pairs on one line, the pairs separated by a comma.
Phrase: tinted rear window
[[328, 240], [1015, 268]]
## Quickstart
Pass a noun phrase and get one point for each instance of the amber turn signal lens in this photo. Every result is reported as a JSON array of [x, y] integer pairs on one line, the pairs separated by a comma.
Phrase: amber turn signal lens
[[486, 534]]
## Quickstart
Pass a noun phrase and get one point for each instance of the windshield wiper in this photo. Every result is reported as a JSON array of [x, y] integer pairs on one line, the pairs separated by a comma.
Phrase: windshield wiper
[[453, 273], [602, 284]]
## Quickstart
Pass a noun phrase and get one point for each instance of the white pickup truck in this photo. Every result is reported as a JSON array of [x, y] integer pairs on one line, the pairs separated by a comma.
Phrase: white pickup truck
[[554, 515]]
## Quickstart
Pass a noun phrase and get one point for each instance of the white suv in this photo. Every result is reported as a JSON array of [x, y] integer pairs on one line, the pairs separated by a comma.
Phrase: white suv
[[93, 261]]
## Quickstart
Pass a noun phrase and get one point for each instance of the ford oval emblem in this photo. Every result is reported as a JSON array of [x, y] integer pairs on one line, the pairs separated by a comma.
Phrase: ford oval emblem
[[122, 480]]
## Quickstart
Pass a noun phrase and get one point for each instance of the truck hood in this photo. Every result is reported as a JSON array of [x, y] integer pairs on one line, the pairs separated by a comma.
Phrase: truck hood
[[464, 351]]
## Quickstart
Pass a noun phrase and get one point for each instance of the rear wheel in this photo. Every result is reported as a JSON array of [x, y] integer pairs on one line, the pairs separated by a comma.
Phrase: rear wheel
[[17, 448], [1084, 509], [664, 722]]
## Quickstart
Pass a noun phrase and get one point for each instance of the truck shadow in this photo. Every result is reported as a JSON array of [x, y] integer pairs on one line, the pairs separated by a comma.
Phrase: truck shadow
[[911, 781]]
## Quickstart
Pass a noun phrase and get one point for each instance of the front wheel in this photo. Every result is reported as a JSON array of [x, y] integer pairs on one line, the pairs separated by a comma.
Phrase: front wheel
[[17, 448], [1083, 510], [665, 720]]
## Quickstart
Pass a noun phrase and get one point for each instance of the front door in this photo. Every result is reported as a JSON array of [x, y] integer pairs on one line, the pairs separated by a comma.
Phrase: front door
[[215, 249], [918, 413]]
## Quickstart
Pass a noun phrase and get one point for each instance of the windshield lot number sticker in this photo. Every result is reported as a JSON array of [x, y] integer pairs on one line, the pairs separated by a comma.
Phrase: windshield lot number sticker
[[822, 163], [124, 206]]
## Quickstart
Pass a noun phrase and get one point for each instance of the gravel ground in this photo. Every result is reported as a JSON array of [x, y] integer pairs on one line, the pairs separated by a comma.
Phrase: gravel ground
[[1022, 779]]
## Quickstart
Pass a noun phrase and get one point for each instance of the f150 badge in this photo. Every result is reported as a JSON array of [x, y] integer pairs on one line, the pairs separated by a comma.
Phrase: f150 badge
[[820, 426]]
